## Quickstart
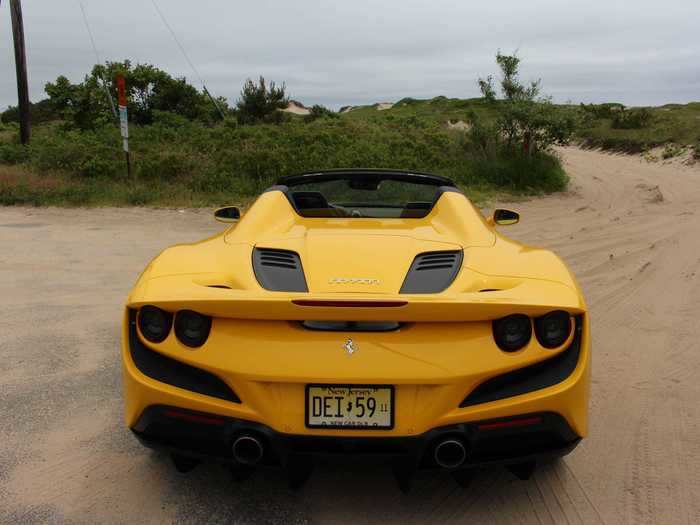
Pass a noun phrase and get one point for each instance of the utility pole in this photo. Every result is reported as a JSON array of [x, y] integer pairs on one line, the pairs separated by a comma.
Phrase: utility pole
[[21, 66]]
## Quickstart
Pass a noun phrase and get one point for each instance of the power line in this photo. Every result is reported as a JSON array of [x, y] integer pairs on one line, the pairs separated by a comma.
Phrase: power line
[[89, 32], [177, 41], [187, 58], [99, 60]]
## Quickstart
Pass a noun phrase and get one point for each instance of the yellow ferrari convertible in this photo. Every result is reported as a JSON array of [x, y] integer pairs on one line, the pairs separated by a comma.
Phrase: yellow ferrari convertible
[[368, 312]]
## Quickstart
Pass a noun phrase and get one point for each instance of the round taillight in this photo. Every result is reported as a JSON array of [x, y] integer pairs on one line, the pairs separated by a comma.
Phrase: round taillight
[[553, 329], [513, 332], [154, 323], [192, 328]]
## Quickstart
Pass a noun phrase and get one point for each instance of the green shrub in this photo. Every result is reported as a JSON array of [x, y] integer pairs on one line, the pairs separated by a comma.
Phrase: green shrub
[[671, 150], [170, 120], [176, 160], [13, 153], [86, 154], [39, 112], [408, 101], [318, 111], [519, 172], [632, 119], [167, 165], [483, 138], [602, 111]]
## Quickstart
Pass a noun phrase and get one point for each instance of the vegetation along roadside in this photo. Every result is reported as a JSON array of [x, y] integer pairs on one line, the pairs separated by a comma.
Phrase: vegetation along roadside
[[185, 154]]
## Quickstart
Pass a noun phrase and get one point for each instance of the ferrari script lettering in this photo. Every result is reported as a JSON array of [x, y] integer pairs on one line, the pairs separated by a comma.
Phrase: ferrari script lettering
[[352, 280]]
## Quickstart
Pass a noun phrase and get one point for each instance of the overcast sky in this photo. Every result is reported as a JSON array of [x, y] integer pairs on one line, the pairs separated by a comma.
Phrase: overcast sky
[[350, 52]]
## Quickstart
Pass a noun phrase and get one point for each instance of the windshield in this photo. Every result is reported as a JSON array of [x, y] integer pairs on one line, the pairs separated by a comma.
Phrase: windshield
[[369, 195]]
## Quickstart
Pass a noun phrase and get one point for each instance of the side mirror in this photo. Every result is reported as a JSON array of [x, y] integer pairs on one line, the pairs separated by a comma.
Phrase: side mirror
[[227, 214], [505, 217]]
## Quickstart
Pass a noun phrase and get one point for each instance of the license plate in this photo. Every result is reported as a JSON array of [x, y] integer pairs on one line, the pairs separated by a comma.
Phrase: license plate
[[350, 406]]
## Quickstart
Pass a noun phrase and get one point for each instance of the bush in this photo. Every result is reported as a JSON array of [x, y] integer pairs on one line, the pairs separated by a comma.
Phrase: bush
[[632, 119], [318, 111], [671, 150], [39, 112], [193, 162], [169, 120], [407, 101], [166, 165], [519, 172], [602, 111], [85, 154], [483, 138], [506, 166], [13, 153]]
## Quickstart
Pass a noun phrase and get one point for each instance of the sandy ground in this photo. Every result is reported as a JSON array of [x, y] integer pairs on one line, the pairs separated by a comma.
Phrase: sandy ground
[[629, 229]]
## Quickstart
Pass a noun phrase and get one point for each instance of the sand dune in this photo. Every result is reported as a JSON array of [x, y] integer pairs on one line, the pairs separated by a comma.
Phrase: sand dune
[[296, 108]]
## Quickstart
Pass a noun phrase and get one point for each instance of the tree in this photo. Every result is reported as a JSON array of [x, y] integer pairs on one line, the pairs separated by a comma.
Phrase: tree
[[82, 104], [149, 89], [260, 103], [486, 87], [525, 117]]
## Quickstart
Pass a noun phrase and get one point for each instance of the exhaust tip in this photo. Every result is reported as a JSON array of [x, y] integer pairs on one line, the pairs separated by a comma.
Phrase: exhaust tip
[[450, 453], [247, 449]]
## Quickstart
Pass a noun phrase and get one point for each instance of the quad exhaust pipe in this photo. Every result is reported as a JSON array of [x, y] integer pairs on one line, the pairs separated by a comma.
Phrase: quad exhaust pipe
[[247, 449], [450, 453]]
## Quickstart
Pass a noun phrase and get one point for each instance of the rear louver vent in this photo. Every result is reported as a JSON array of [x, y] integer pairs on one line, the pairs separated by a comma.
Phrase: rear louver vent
[[279, 270], [279, 259], [432, 272], [436, 261]]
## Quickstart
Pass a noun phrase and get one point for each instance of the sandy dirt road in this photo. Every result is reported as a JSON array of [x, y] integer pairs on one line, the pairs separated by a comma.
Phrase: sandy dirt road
[[629, 229]]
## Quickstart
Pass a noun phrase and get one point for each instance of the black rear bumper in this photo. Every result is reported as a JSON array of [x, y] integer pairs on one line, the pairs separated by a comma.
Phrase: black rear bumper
[[525, 438]]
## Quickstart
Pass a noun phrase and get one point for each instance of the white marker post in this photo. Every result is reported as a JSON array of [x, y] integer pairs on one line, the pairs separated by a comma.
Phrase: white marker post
[[124, 120]]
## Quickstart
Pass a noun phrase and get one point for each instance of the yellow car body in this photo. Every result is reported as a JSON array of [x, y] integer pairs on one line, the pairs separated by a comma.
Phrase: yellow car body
[[354, 267]]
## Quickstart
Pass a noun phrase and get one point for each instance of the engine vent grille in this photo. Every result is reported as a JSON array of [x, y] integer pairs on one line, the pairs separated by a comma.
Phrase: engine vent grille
[[278, 258], [279, 270], [432, 272], [436, 261]]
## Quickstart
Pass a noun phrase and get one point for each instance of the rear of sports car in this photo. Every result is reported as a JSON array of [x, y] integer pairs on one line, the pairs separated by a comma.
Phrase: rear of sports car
[[384, 337]]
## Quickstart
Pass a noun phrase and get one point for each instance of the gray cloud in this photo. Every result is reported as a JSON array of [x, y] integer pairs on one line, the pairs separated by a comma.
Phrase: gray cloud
[[362, 51]]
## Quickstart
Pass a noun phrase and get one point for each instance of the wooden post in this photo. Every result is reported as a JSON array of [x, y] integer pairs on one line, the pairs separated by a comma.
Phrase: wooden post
[[21, 66]]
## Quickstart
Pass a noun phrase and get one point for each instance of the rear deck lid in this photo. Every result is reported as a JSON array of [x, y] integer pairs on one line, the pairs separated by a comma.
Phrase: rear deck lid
[[358, 263]]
